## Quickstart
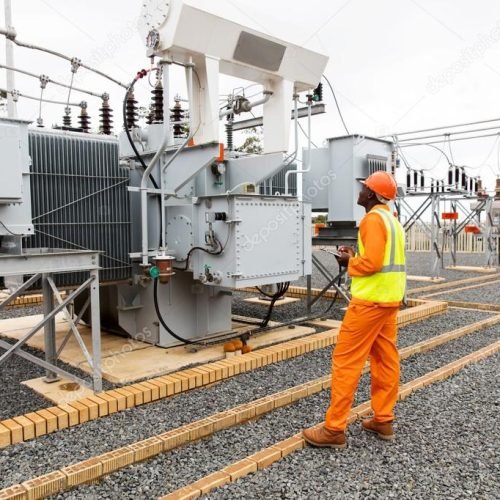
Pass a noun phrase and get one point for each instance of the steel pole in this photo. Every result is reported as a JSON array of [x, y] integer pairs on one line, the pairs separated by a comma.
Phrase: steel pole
[[9, 59]]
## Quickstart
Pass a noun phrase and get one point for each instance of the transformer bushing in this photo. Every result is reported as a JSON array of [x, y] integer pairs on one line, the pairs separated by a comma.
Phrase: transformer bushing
[[131, 111], [84, 118], [106, 115], [67, 117], [156, 115], [177, 116]]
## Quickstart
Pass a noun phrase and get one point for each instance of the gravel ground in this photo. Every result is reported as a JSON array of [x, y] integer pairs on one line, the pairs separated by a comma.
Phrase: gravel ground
[[447, 447], [18, 399], [184, 465], [53, 451], [486, 294]]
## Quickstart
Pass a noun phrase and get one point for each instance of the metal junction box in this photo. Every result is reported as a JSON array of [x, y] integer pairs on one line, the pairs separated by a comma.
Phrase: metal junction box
[[266, 240]]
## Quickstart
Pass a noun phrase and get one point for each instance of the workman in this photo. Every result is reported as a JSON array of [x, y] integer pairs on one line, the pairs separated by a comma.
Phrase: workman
[[369, 327]]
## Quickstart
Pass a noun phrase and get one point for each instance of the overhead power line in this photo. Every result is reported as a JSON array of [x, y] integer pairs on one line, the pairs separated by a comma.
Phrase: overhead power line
[[448, 134], [451, 140], [49, 80], [15, 94], [11, 35], [441, 128]]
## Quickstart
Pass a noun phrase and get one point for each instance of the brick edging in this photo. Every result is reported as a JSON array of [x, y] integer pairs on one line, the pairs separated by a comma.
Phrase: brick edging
[[96, 467], [281, 449], [35, 424]]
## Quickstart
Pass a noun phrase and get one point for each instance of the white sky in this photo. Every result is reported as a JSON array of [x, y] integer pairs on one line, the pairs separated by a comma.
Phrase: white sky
[[396, 65]]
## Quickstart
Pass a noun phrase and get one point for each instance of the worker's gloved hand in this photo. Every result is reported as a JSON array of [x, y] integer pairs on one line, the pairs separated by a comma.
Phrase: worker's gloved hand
[[343, 259], [346, 249]]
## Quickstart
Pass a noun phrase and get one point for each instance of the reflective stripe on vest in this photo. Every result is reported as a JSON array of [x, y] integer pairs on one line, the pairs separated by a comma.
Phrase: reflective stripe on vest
[[387, 285]]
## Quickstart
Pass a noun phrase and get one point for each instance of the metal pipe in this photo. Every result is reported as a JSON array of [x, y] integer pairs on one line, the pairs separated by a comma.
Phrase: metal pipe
[[309, 164], [9, 57]]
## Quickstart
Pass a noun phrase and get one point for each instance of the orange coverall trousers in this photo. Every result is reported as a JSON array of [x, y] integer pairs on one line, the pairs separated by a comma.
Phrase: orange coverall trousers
[[367, 330]]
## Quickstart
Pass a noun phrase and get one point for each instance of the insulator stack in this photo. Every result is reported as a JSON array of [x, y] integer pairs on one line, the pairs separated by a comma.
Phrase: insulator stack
[[450, 177], [157, 104], [476, 185], [177, 116], [67, 118], [318, 93], [229, 136], [415, 179], [106, 115], [432, 186], [131, 111], [457, 177], [149, 117], [84, 118], [464, 179], [422, 179], [408, 179]]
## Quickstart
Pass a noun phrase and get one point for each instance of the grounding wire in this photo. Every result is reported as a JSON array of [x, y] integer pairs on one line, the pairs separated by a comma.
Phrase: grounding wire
[[306, 135], [336, 103]]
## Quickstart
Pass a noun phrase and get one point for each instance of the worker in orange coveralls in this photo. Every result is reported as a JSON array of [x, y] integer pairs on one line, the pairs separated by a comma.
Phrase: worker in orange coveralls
[[369, 328]]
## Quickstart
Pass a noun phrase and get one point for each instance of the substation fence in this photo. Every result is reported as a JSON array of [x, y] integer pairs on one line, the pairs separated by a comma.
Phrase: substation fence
[[418, 240]]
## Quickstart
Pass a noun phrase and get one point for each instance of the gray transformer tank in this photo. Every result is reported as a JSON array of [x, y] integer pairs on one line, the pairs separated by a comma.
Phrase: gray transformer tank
[[332, 184]]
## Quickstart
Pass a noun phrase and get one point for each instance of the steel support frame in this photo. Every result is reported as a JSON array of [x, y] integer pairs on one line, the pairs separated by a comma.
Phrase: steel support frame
[[332, 283], [50, 264]]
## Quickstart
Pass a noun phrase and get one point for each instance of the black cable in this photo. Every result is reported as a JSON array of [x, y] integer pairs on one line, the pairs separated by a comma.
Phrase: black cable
[[282, 289], [162, 321], [140, 75], [201, 249], [337, 104]]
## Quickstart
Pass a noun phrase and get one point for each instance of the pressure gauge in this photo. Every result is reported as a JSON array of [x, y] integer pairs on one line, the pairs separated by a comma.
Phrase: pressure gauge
[[153, 14]]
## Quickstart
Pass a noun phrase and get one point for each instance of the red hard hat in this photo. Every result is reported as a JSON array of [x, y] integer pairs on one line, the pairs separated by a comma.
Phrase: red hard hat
[[383, 184]]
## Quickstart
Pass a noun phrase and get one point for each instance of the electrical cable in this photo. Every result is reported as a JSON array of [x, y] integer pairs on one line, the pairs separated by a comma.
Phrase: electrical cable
[[307, 137], [9, 231], [431, 146], [15, 94], [336, 103], [164, 324], [282, 289], [441, 128], [140, 74], [448, 134], [11, 35], [456, 139], [49, 80]]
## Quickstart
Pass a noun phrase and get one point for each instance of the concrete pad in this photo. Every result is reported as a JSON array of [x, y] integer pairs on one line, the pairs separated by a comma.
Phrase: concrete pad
[[264, 302], [62, 392], [473, 269], [425, 279], [328, 323]]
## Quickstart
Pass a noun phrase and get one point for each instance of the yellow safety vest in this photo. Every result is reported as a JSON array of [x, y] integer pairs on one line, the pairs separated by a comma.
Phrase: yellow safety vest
[[388, 285]]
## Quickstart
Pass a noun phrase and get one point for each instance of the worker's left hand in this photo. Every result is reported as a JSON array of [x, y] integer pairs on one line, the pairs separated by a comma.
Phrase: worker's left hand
[[343, 259]]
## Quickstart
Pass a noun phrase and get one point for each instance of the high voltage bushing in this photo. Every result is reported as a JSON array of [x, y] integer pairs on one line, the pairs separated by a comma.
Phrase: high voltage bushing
[[131, 111], [177, 116], [157, 104], [229, 135], [67, 117], [84, 118], [106, 115]]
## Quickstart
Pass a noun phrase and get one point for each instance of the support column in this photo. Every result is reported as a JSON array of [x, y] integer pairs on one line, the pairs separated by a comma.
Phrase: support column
[[96, 331], [49, 329]]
